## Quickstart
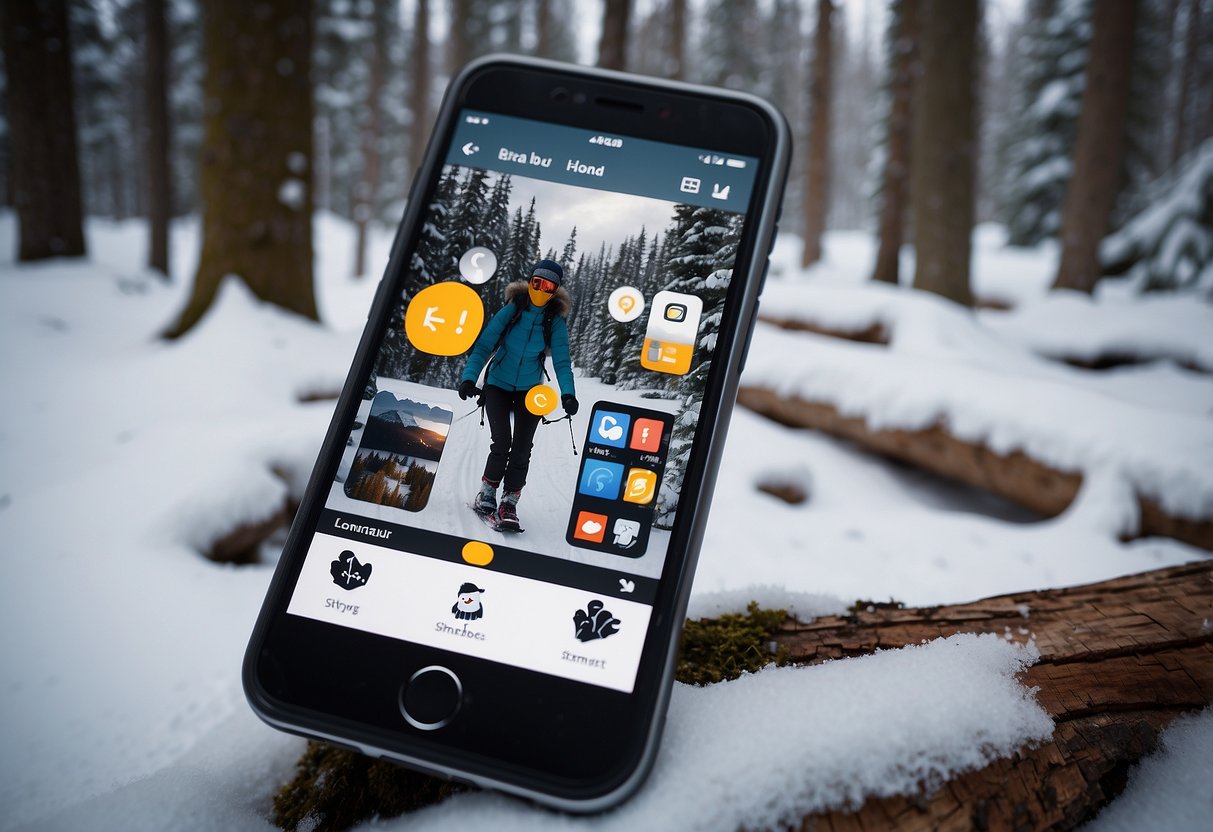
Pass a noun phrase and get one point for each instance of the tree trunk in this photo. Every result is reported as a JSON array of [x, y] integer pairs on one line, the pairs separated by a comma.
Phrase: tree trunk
[[943, 169], [1187, 68], [1013, 476], [612, 47], [44, 165], [816, 198], [458, 48], [256, 169], [1099, 146], [895, 183], [419, 90], [367, 189], [155, 85], [677, 62]]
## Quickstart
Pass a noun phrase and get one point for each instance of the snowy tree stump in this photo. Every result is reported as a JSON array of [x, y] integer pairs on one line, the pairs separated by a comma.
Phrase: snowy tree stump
[[1014, 476], [1119, 661]]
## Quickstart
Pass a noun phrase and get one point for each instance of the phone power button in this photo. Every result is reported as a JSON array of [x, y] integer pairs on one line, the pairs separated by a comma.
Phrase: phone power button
[[431, 697]]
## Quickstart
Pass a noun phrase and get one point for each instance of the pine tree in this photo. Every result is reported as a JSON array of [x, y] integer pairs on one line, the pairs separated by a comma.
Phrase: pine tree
[[1039, 163], [256, 175], [730, 53], [42, 124], [816, 200], [156, 153], [612, 45], [942, 179]]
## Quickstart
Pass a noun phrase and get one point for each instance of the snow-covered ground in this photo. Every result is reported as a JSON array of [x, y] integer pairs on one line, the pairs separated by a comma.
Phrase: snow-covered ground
[[122, 455]]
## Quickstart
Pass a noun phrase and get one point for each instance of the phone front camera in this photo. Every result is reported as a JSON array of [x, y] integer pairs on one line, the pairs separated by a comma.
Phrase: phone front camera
[[560, 95], [665, 111], [578, 98]]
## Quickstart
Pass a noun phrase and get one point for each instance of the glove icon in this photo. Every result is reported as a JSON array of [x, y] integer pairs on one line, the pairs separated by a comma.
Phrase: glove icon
[[594, 622], [468, 389]]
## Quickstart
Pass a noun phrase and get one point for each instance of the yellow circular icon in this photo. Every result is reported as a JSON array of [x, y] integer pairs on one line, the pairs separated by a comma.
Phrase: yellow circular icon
[[541, 400], [477, 553], [444, 319]]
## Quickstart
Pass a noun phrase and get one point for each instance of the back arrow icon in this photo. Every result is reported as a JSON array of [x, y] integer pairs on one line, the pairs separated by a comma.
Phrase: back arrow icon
[[469, 149]]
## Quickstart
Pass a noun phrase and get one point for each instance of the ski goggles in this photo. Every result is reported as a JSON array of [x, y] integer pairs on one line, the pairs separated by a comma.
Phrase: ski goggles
[[542, 284]]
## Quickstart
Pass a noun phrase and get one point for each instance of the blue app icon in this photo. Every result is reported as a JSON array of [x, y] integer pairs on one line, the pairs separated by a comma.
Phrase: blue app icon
[[610, 428], [601, 479]]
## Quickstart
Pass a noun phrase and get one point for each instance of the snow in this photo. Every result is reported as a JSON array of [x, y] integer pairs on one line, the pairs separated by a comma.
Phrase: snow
[[122, 456], [1170, 788]]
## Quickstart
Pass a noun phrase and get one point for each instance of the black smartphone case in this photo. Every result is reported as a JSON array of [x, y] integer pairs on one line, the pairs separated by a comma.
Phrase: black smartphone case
[[693, 514]]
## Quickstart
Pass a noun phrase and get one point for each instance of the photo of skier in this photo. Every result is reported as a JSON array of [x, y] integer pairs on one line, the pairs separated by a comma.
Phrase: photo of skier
[[513, 347]]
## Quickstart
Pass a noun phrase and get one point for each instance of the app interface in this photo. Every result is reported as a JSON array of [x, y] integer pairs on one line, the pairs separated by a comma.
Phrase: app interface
[[513, 473]]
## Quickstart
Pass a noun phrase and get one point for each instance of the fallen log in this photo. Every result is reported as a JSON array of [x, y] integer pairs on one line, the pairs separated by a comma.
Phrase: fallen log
[[1119, 661], [1013, 476]]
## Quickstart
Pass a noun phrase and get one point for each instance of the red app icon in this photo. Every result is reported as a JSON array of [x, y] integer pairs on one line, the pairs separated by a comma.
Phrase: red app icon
[[646, 434], [590, 526]]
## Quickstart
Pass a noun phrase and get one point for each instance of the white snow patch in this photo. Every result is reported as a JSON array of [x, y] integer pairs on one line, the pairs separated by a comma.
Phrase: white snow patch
[[1170, 788], [804, 606]]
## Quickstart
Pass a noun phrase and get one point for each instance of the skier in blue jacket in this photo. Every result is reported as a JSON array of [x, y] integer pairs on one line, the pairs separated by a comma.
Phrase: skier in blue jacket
[[514, 344]]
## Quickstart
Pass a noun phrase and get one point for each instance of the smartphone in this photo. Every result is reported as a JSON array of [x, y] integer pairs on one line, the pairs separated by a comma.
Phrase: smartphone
[[487, 576]]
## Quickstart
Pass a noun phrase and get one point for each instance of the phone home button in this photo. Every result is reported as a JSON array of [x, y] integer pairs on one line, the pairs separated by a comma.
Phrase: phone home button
[[431, 697]]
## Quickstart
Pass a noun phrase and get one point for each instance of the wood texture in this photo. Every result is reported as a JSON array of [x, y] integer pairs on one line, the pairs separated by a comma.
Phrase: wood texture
[[1014, 476], [1119, 661], [816, 198]]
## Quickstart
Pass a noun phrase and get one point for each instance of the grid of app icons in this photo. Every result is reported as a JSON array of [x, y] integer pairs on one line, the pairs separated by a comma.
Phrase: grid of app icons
[[621, 468]]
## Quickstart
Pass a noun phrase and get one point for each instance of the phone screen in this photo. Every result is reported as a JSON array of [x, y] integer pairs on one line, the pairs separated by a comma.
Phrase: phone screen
[[554, 264]]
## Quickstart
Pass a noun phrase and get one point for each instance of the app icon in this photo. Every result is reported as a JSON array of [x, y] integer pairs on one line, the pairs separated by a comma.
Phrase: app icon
[[625, 304], [689, 185], [642, 484], [601, 479], [541, 400], [348, 572], [467, 606], [669, 343], [646, 435], [477, 553], [720, 191], [610, 428], [590, 526], [625, 531], [626, 586], [477, 265], [444, 319], [594, 622]]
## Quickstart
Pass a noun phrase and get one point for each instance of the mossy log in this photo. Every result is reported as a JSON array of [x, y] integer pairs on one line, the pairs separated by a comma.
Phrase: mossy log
[[1119, 661], [1013, 476]]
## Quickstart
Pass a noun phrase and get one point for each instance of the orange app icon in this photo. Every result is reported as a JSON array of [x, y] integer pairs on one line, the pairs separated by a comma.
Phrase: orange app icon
[[669, 338], [642, 485], [541, 400], [590, 526], [646, 435], [444, 319]]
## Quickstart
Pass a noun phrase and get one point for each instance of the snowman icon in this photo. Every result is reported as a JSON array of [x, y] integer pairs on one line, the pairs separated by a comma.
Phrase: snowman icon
[[468, 607]]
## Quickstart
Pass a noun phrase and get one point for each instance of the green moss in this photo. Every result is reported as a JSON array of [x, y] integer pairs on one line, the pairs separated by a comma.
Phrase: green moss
[[716, 649], [335, 789]]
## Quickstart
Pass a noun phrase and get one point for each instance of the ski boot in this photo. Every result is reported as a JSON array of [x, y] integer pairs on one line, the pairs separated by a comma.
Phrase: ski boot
[[507, 512]]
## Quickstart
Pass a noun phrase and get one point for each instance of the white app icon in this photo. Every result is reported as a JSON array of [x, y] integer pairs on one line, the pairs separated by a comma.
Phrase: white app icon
[[609, 429], [591, 527], [674, 317], [690, 185], [625, 304], [477, 265], [720, 191], [626, 586], [626, 532]]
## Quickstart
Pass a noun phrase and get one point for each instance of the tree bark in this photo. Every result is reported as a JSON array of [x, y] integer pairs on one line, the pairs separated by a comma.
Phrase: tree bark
[[898, 150], [367, 189], [1191, 57], [1119, 661], [1014, 476], [42, 127], [816, 197], [458, 48], [256, 171], [1099, 146], [677, 57], [159, 182], [419, 89], [612, 47], [943, 170]]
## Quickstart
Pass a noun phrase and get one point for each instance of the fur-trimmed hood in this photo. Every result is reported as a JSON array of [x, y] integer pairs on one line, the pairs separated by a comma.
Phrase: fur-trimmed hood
[[516, 293]]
